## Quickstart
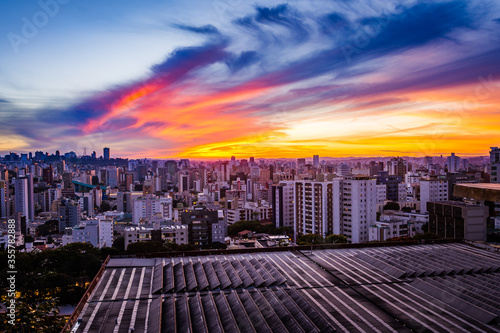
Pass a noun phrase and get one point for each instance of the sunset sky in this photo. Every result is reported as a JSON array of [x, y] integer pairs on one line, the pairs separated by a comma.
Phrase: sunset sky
[[211, 79]]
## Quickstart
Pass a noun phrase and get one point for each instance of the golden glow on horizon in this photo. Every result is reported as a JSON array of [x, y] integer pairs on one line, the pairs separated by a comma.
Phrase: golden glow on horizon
[[229, 122]]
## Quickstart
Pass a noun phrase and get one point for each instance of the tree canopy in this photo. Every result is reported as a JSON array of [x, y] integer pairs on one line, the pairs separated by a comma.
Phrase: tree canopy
[[391, 205], [336, 239]]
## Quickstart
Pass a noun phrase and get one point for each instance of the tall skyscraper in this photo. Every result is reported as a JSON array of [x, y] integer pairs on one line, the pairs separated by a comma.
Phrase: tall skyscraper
[[453, 163], [316, 161], [283, 204], [106, 153], [495, 164], [69, 214], [24, 198], [358, 207], [148, 206], [4, 199], [433, 189], [342, 206]]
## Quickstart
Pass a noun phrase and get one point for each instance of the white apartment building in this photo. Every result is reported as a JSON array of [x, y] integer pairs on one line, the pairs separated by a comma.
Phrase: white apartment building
[[177, 234], [342, 206], [358, 207], [381, 193], [97, 232], [383, 230], [239, 214], [283, 204], [148, 206], [313, 208], [433, 189]]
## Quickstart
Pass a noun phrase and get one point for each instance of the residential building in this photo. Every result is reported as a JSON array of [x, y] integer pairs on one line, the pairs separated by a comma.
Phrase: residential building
[[495, 165], [458, 220], [174, 233], [200, 223], [432, 189], [69, 214], [148, 206]]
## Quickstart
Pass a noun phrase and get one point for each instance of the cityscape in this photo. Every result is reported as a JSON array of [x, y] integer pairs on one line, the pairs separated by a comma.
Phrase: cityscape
[[231, 166]]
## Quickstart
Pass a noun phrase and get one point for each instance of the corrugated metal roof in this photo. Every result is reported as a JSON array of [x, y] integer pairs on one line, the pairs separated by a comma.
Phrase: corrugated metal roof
[[434, 288]]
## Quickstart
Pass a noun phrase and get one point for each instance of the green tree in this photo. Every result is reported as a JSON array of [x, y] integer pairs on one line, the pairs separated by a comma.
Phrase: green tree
[[309, 239], [48, 228], [38, 316], [109, 251], [426, 235], [406, 209], [145, 247], [336, 239], [119, 243], [391, 205], [239, 226], [104, 207]]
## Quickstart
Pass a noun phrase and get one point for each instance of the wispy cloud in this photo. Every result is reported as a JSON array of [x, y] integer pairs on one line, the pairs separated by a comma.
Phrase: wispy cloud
[[295, 66]]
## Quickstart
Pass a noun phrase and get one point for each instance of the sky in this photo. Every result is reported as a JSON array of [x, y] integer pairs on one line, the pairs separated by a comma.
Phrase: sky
[[217, 78]]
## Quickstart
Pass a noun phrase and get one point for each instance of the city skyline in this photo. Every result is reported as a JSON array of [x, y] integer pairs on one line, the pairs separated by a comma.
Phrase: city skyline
[[223, 78]]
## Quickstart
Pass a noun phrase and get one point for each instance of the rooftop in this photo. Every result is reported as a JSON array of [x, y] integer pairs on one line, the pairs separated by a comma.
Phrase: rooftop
[[440, 288], [478, 191]]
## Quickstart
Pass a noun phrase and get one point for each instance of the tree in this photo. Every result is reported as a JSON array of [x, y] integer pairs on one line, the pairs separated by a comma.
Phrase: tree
[[426, 235], [50, 240], [48, 228], [391, 205], [109, 251], [104, 207], [35, 316], [309, 239], [119, 243], [406, 209], [145, 247], [239, 226], [335, 239]]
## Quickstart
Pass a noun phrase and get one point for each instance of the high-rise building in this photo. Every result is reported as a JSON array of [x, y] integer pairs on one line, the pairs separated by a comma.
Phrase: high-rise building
[[316, 161], [495, 165], [357, 200], [342, 206], [313, 206], [48, 175], [282, 204], [458, 220], [343, 169], [148, 206], [396, 189], [4, 200], [124, 202], [98, 232], [200, 222], [69, 214], [105, 153], [183, 183], [24, 198], [453, 163], [432, 189], [112, 176], [397, 166]]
